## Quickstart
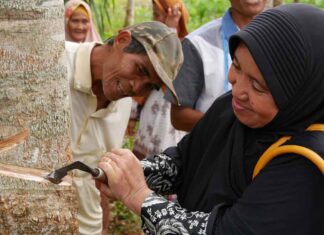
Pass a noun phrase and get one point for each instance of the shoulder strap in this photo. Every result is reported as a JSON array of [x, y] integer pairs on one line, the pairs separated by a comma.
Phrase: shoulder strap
[[276, 150]]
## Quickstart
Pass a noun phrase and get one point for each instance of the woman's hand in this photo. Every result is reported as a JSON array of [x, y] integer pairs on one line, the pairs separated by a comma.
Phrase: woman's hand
[[173, 16], [126, 180]]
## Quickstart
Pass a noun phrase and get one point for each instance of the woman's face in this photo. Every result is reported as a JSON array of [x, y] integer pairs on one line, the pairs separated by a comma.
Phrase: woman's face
[[252, 101], [78, 26], [248, 7]]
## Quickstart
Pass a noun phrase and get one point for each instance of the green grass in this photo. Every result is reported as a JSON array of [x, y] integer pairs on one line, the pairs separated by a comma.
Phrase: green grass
[[122, 221]]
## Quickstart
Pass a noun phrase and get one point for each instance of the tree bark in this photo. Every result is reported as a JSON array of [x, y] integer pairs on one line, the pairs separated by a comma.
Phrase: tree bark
[[34, 120], [130, 12]]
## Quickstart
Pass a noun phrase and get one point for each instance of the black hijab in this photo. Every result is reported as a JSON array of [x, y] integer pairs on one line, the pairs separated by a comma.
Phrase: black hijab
[[217, 158]]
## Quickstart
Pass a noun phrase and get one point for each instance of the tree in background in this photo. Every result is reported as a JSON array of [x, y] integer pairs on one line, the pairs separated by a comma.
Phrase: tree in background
[[34, 120], [130, 13]]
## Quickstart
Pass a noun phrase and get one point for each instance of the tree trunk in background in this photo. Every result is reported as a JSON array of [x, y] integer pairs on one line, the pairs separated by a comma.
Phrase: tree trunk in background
[[34, 120], [269, 4], [130, 12], [279, 2], [273, 3]]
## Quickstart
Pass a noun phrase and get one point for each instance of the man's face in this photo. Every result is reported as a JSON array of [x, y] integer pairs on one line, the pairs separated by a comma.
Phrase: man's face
[[248, 7], [128, 75]]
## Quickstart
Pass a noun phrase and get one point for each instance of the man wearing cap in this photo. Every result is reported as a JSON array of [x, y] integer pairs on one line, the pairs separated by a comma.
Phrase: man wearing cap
[[138, 59]]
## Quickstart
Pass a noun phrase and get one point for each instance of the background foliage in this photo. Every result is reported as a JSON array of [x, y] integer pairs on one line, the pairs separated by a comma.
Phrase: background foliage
[[110, 14], [201, 11]]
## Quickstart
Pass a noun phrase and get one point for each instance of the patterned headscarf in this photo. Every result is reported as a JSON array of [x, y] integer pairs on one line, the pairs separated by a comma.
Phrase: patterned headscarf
[[70, 7]]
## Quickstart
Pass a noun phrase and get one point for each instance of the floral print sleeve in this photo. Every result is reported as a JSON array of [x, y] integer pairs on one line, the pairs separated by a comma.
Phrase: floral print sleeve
[[160, 173], [159, 216]]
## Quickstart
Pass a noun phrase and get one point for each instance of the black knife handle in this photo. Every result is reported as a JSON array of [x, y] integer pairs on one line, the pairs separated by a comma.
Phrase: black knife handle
[[100, 175]]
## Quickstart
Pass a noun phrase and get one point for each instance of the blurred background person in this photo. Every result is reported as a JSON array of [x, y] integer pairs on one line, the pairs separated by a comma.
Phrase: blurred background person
[[173, 13], [79, 26]]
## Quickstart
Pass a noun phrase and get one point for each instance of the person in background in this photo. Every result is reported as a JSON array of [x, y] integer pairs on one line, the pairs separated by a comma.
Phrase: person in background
[[79, 26], [203, 76], [138, 59], [173, 13], [277, 91], [155, 131]]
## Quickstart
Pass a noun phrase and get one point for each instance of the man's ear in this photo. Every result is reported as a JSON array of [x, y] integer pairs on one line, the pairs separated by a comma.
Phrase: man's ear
[[123, 38]]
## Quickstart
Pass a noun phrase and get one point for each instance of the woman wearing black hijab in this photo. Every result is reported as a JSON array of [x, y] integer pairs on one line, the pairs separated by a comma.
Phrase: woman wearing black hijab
[[277, 80]]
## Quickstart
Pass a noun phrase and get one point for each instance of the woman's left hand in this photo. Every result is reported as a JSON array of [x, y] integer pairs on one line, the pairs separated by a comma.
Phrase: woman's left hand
[[126, 180]]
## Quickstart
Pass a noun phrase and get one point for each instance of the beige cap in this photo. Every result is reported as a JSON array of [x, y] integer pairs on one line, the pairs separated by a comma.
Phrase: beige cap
[[164, 49]]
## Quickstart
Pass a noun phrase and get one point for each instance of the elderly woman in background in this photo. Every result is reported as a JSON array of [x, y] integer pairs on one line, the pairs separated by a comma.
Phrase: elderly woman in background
[[222, 185], [79, 26]]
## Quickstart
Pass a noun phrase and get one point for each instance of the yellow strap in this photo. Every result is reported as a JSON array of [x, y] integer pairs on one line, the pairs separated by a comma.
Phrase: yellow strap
[[275, 150], [306, 152], [316, 127]]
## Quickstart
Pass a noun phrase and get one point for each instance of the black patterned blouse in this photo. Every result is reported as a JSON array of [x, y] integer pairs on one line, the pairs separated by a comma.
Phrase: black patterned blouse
[[160, 216]]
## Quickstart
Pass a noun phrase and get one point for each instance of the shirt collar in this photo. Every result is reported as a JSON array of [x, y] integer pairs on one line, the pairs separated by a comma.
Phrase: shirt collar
[[83, 79], [82, 75], [228, 24]]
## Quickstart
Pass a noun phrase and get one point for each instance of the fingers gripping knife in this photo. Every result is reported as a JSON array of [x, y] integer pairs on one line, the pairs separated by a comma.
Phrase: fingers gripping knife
[[57, 175]]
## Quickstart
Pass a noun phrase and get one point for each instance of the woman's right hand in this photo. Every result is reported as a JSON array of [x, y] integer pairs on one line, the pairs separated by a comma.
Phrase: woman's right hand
[[126, 180]]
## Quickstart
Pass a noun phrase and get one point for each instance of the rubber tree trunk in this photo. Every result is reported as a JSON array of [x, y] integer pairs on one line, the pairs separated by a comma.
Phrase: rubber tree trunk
[[34, 120]]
